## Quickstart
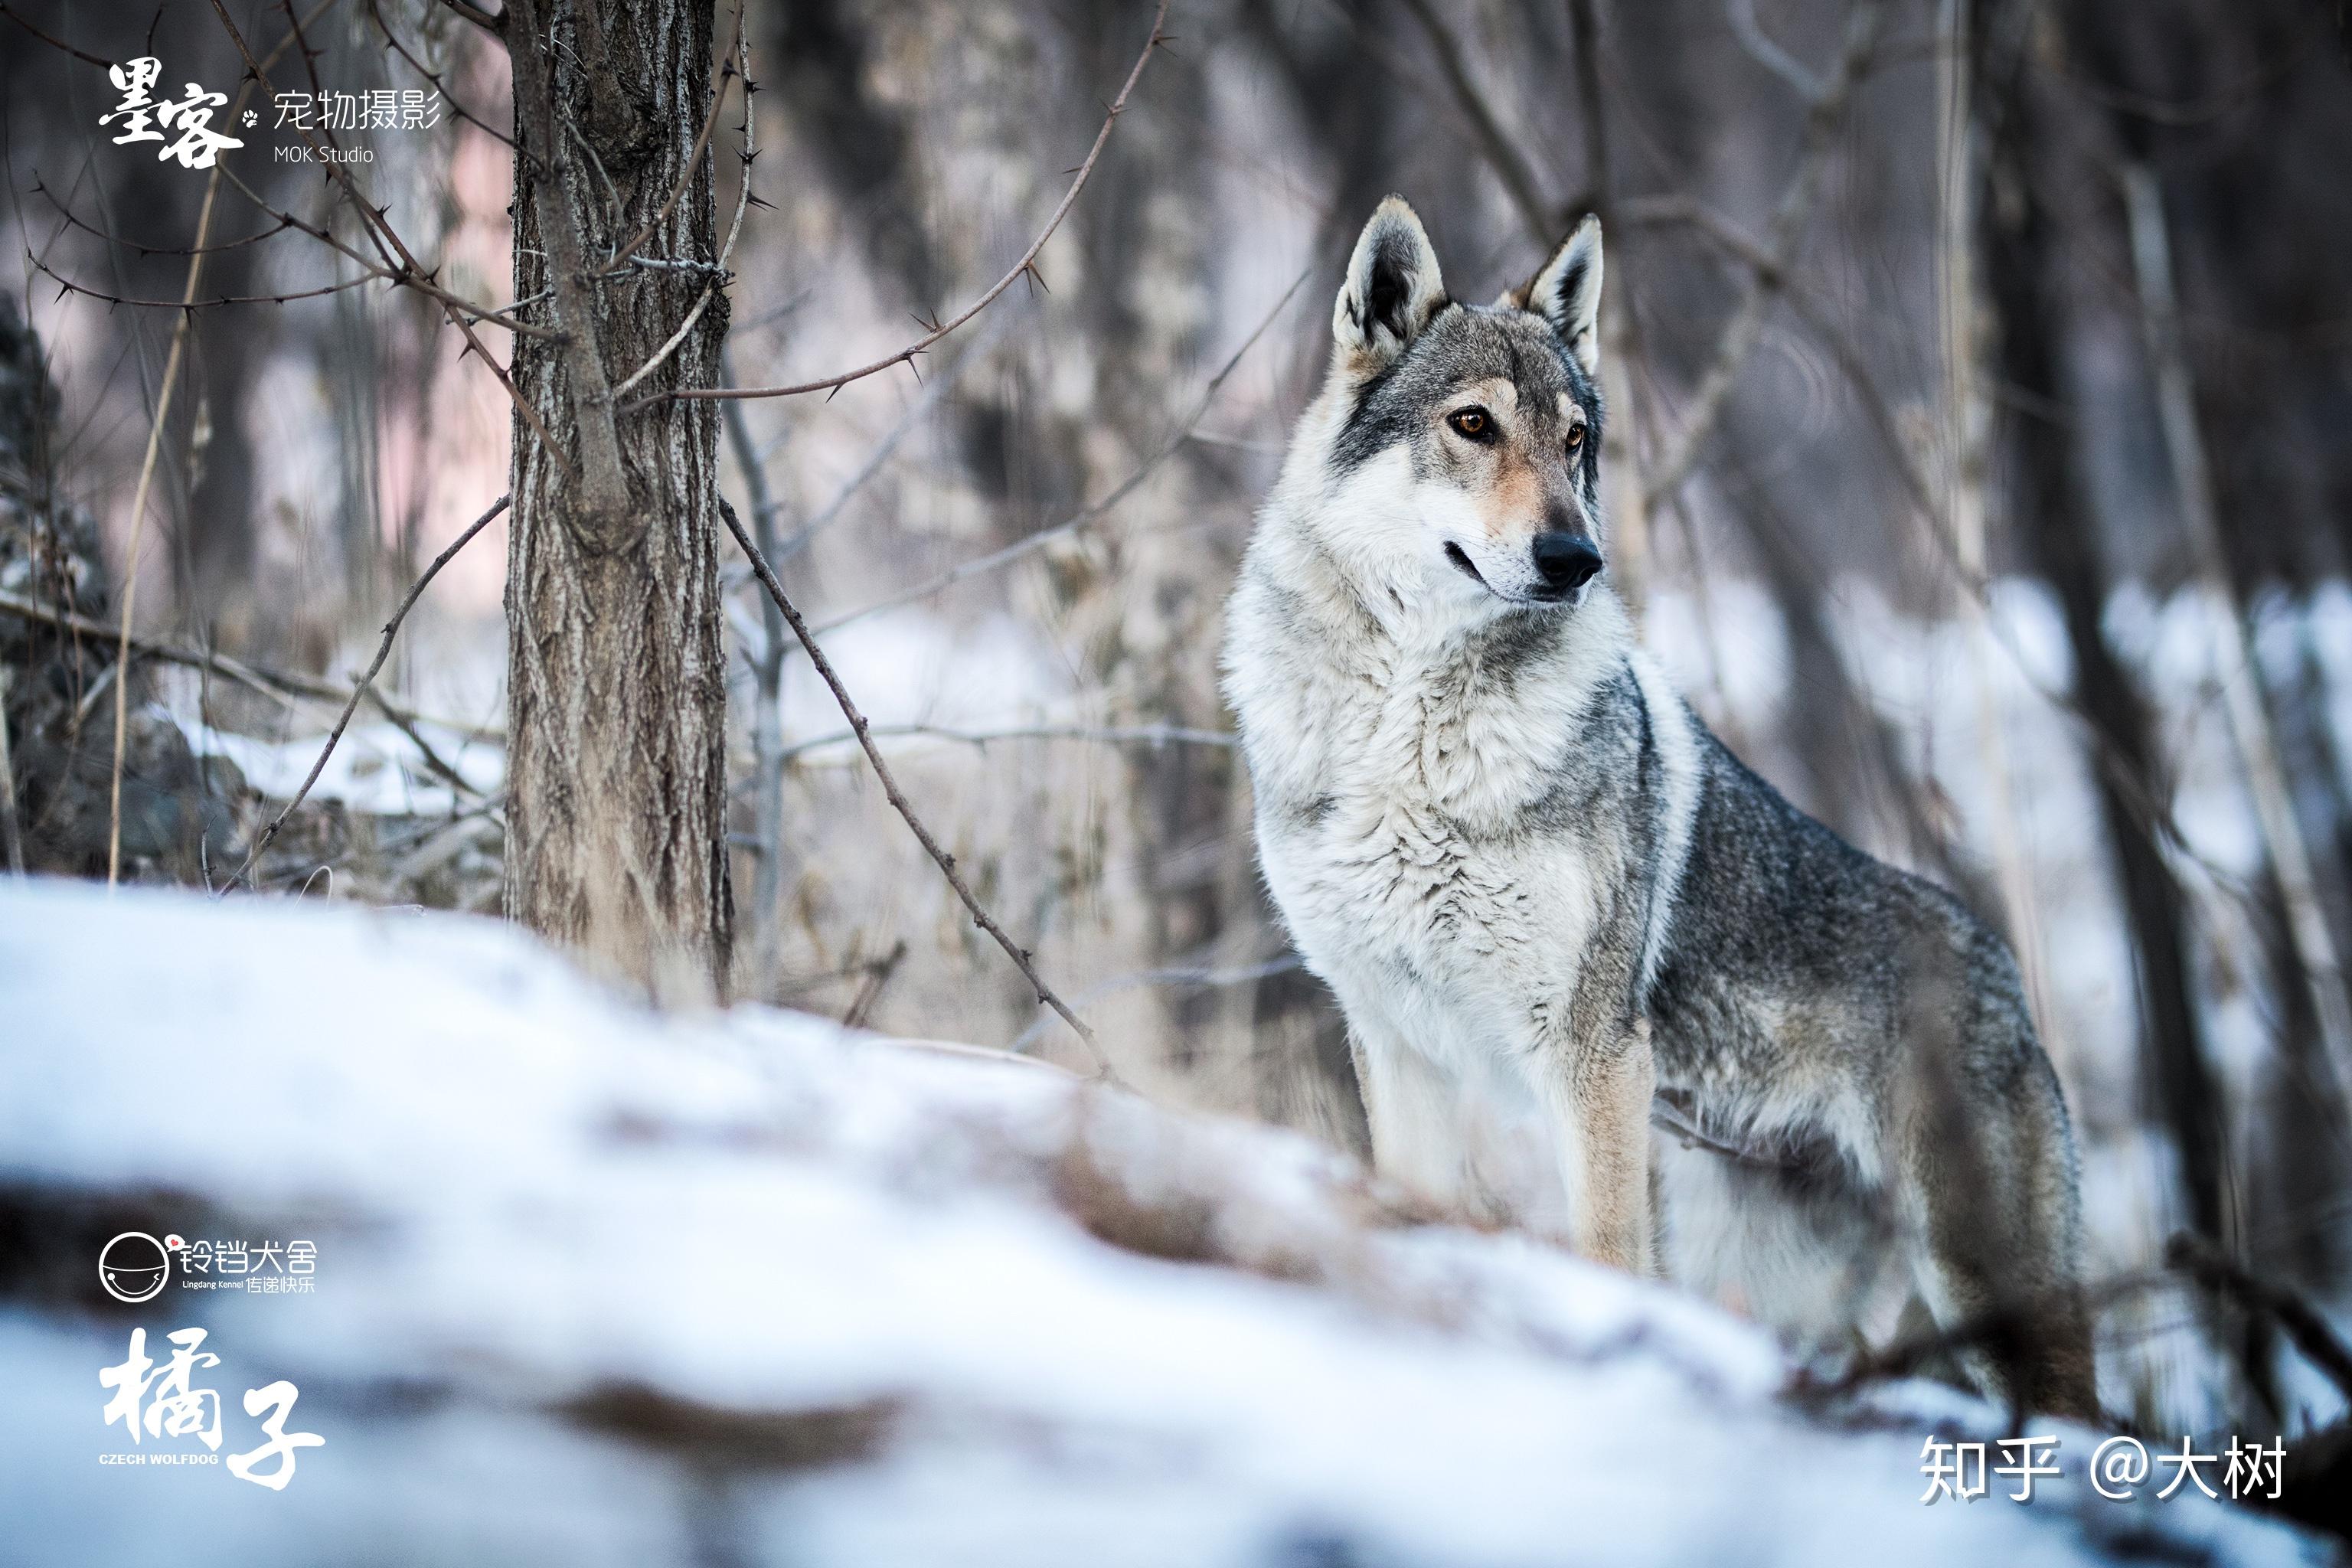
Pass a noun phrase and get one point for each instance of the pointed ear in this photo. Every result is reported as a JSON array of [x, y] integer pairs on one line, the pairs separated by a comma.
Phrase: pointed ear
[[1392, 288], [1566, 291]]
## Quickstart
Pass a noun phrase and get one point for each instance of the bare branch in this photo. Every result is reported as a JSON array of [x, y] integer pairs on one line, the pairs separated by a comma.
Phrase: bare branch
[[1741, 14], [57, 44], [376, 14], [366, 684], [56, 204], [494, 26], [400, 274], [69, 287], [729, 67], [1087, 517], [1739, 334], [719, 275], [1518, 179], [1187, 977], [940, 858], [1112, 735], [935, 390], [2307, 1328], [394, 252], [278, 685], [1027, 262]]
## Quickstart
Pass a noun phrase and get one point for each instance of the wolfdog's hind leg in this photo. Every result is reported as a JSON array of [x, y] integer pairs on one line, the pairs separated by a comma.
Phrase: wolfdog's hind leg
[[1984, 1176]]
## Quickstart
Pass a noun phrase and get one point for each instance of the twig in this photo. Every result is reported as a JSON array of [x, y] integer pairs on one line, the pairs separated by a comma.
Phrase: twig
[[399, 275], [376, 14], [1739, 334], [767, 677], [1077, 523], [1184, 976], [139, 513], [729, 67], [877, 975], [1518, 179], [278, 685], [2310, 1331], [366, 681], [393, 250], [1113, 735], [1741, 14], [718, 273], [945, 862], [1027, 263], [8, 818], [107, 237], [935, 390], [59, 44], [69, 287], [494, 26]]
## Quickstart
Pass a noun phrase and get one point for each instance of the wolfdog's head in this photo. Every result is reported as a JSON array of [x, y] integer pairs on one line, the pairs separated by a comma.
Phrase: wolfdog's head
[[1462, 442]]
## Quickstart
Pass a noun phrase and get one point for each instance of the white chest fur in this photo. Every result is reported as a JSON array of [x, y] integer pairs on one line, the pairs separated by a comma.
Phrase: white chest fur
[[1399, 783]]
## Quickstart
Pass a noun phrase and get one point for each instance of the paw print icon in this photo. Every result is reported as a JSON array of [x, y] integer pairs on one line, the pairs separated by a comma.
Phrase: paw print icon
[[251, 117]]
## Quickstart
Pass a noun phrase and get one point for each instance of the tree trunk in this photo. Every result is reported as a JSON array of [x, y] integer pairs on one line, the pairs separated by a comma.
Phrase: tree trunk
[[2056, 522], [617, 782]]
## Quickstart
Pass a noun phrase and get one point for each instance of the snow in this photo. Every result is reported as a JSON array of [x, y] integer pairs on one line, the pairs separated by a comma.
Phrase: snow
[[596, 1284]]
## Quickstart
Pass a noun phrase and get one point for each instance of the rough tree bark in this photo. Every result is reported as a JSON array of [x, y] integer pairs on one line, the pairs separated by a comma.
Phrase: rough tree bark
[[616, 693]]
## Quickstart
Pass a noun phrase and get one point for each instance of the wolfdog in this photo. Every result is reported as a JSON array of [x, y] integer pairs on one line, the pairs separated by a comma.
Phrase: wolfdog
[[1520, 862]]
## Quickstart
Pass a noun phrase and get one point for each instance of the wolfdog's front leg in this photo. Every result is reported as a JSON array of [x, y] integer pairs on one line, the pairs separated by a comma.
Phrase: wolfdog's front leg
[[1599, 1095], [1414, 1112]]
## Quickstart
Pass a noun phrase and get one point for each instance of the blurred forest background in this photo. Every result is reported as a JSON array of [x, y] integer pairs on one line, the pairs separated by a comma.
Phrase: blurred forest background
[[1982, 369]]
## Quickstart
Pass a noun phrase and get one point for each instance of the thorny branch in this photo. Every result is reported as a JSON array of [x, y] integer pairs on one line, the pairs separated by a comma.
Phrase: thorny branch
[[945, 862], [376, 14], [719, 275], [394, 252], [729, 67], [1025, 265], [365, 684]]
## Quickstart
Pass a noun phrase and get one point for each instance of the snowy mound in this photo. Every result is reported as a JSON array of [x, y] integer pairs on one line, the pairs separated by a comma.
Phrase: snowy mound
[[594, 1286]]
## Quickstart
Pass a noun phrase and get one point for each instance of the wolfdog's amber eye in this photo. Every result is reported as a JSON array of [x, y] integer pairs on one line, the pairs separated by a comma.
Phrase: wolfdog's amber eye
[[1575, 436], [1475, 424]]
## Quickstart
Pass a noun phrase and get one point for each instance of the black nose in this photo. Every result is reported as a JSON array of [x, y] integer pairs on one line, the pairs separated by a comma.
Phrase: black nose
[[1565, 561]]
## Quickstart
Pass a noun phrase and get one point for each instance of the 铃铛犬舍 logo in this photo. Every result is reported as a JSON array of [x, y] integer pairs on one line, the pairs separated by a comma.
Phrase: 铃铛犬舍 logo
[[133, 1266]]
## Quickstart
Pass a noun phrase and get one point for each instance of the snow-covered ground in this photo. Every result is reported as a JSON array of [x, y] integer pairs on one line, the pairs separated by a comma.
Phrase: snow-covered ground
[[595, 1286]]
